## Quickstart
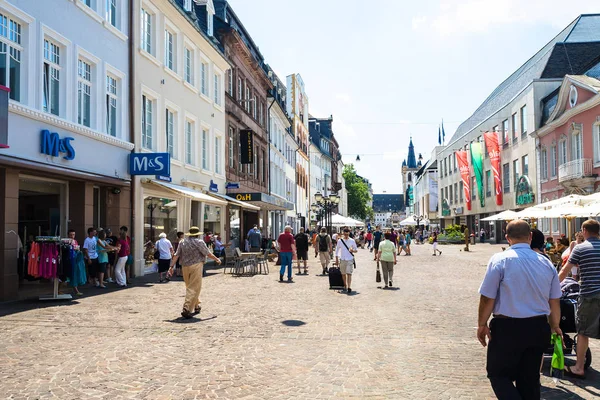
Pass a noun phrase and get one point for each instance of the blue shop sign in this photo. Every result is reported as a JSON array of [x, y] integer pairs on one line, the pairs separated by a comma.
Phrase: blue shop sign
[[150, 164], [52, 145], [232, 185], [213, 187]]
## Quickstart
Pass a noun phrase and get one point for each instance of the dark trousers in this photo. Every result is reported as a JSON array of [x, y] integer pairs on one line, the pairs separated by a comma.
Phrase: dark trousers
[[514, 355]]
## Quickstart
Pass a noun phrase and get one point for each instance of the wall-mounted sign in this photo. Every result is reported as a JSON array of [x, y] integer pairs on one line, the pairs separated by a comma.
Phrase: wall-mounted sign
[[247, 146], [264, 198], [150, 164], [213, 187], [53, 145], [458, 210], [524, 192], [232, 185], [164, 178], [445, 208]]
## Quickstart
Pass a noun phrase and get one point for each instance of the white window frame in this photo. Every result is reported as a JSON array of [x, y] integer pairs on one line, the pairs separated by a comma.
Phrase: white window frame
[[148, 14], [205, 147], [187, 5], [122, 110], [171, 132], [112, 98], [596, 136], [152, 98], [523, 112], [563, 151], [210, 22], [84, 88], [230, 82], [240, 89], [170, 50], [13, 43], [218, 147], [110, 13], [188, 64], [231, 149], [189, 132], [62, 68], [203, 80], [544, 164], [553, 161], [218, 88], [576, 145]]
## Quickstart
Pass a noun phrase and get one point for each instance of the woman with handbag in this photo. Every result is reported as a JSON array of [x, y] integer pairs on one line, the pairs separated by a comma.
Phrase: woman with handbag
[[387, 258]]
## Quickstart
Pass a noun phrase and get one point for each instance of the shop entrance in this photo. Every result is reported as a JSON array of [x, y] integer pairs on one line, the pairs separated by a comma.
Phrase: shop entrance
[[42, 205]]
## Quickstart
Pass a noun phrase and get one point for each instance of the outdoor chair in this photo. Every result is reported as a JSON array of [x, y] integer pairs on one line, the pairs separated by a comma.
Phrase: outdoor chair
[[263, 262]]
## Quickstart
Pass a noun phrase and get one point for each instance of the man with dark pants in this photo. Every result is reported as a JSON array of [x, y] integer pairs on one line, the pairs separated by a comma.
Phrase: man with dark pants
[[377, 236], [586, 256], [522, 290], [302, 250], [255, 240]]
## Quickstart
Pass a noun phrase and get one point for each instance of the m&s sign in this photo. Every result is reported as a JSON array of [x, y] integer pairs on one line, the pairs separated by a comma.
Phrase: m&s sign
[[150, 164]]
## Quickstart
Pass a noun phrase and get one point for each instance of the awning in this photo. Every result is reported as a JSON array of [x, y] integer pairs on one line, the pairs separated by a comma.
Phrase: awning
[[194, 194], [235, 202]]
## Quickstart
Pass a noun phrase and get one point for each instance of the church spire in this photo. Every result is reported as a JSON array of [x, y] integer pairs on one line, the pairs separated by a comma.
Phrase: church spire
[[412, 160]]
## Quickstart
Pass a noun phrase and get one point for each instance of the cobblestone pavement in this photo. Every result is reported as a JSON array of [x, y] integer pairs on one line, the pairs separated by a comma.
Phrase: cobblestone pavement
[[261, 339]]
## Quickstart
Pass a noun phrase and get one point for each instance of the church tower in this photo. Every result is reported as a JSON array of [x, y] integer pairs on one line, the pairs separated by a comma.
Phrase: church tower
[[409, 168]]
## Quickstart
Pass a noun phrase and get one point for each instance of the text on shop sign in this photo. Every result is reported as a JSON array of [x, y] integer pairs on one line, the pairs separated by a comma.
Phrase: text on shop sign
[[52, 145], [150, 164]]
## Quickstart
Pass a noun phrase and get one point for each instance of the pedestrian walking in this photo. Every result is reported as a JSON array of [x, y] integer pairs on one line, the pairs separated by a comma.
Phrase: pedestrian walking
[[400, 242], [129, 264], [408, 242], [254, 239], [369, 238], [302, 241], [482, 235], [586, 256], [122, 256], [287, 252], [111, 240], [434, 239], [522, 290], [344, 257], [386, 257], [192, 253], [325, 249], [164, 249], [102, 248], [180, 236], [377, 236]]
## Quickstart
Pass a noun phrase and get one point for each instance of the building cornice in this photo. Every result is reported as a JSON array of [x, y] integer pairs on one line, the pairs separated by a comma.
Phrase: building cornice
[[563, 119], [51, 119]]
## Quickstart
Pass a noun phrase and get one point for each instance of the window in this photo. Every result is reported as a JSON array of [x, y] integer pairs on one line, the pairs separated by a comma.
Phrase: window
[[146, 35], [204, 149], [111, 105], [455, 163], [473, 186], [217, 89], [51, 77], [524, 120], [189, 142], [456, 192], [562, 151], [209, 23], [10, 56], [188, 69], [247, 98], [515, 132], [261, 119], [111, 12], [553, 161], [218, 155], [87, 2], [525, 165], [231, 152], [506, 177], [516, 173], [170, 130], [204, 78], [576, 143], [84, 92], [505, 137], [596, 135], [254, 106], [187, 5], [544, 164], [230, 82], [147, 115], [240, 92], [169, 51], [450, 199], [488, 183], [461, 190]]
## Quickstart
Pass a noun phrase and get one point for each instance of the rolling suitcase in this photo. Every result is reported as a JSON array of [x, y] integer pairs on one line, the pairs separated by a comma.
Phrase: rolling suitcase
[[335, 278]]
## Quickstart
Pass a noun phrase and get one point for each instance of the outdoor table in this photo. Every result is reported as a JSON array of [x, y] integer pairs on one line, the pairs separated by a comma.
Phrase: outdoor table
[[249, 257]]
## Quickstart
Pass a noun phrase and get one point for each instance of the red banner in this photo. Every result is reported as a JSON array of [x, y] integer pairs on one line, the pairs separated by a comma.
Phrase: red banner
[[493, 149], [465, 174]]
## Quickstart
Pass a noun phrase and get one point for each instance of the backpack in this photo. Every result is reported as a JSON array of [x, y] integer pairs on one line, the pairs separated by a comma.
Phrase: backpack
[[323, 243]]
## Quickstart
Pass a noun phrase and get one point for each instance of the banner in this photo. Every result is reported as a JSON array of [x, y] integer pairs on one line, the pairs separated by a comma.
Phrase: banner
[[493, 149], [477, 163], [247, 146], [463, 166], [433, 192]]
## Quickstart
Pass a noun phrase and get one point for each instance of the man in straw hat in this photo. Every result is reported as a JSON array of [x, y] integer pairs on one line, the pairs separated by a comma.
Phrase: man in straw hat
[[192, 253]]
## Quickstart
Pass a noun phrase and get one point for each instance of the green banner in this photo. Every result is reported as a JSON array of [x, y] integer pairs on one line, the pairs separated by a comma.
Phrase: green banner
[[477, 163]]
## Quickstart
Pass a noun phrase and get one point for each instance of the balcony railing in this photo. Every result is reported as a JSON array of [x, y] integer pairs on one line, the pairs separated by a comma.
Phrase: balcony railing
[[575, 169]]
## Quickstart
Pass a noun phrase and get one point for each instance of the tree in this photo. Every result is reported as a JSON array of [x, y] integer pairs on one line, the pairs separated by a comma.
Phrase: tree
[[358, 194]]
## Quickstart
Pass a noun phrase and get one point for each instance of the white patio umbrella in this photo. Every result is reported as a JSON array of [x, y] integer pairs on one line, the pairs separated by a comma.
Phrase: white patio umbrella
[[532, 213], [570, 199], [507, 215], [410, 221]]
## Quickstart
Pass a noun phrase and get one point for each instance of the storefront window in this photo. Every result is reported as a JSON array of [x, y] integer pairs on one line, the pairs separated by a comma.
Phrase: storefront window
[[212, 218], [160, 215], [234, 226]]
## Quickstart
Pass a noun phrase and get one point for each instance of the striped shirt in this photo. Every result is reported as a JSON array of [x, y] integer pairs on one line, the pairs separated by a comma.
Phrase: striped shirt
[[191, 251], [587, 256]]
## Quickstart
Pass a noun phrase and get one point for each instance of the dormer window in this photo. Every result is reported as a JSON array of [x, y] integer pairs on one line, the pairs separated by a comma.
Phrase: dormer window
[[187, 5], [209, 24]]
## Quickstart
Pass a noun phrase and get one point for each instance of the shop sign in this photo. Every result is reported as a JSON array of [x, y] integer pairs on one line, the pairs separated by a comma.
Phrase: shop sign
[[213, 187], [164, 178], [53, 145], [150, 164], [247, 146], [524, 193], [445, 208], [232, 185], [458, 210], [265, 198]]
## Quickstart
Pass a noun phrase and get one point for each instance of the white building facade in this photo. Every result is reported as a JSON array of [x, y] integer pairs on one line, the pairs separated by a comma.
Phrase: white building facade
[[180, 106]]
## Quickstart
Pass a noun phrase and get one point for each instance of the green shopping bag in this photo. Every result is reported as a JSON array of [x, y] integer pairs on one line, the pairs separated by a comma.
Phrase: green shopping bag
[[558, 358]]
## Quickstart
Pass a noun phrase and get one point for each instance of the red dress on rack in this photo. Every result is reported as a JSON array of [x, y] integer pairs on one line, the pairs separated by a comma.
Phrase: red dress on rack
[[33, 260]]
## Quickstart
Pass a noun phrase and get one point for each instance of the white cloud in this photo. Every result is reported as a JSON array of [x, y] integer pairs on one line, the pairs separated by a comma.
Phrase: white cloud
[[343, 130], [345, 97], [457, 17]]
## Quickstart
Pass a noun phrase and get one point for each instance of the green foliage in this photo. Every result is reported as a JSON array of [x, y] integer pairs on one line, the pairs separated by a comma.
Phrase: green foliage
[[358, 194], [453, 232]]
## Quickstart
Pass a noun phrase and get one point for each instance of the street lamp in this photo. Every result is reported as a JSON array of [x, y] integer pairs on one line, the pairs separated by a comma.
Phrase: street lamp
[[324, 206], [319, 197]]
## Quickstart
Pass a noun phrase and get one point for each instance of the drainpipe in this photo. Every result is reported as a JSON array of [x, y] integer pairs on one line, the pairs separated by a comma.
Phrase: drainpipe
[[134, 188], [269, 152]]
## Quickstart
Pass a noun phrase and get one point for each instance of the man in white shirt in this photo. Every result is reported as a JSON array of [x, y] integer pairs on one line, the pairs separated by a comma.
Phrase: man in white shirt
[[344, 257], [91, 256]]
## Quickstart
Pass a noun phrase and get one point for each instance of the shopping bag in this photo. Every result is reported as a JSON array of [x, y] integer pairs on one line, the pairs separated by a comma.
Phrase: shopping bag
[[378, 275], [558, 359]]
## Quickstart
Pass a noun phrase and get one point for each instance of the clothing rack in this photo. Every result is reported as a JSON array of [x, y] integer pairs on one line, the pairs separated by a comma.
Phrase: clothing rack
[[55, 295]]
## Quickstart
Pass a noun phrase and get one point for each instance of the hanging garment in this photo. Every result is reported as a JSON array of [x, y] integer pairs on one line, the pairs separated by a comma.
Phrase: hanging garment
[[33, 260], [79, 276], [65, 267], [49, 260]]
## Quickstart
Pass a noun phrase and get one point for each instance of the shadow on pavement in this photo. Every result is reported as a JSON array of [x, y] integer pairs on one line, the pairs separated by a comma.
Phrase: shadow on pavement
[[386, 288], [193, 320], [293, 322]]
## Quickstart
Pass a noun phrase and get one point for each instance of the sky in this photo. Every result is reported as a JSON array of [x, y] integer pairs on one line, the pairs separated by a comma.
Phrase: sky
[[388, 70]]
